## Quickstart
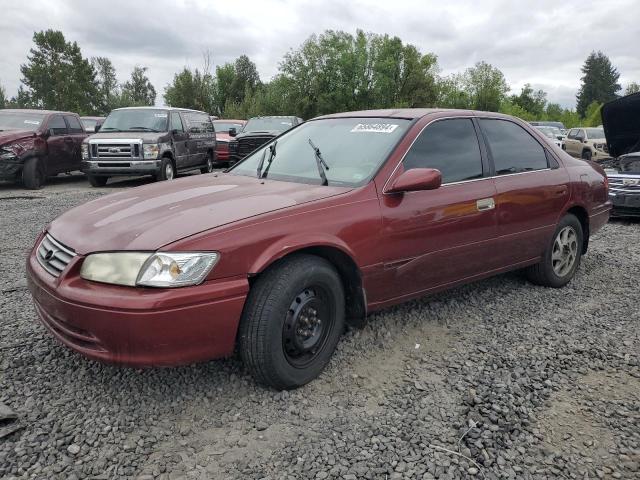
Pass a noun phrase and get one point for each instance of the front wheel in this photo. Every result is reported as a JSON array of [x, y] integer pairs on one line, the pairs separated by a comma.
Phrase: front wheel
[[33, 175], [292, 321], [562, 257], [586, 155], [167, 170]]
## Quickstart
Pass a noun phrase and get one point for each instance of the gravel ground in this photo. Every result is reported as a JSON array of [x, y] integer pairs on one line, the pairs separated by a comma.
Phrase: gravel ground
[[499, 379]]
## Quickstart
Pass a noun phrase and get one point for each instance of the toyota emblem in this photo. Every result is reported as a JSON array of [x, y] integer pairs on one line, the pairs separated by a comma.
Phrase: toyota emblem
[[49, 254]]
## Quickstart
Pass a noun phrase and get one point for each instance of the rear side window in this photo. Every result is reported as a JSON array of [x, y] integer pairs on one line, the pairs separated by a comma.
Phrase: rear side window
[[512, 148], [199, 123], [57, 125], [74, 124], [450, 146]]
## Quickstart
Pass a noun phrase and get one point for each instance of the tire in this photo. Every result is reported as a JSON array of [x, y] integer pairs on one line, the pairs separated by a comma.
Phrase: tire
[[96, 181], [167, 170], [561, 257], [586, 154], [292, 321], [33, 174], [210, 161]]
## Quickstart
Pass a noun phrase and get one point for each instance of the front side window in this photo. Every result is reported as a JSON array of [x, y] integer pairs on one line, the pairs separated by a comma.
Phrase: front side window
[[512, 148], [450, 146], [20, 121], [136, 120], [353, 148], [89, 124], [176, 122], [57, 125], [74, 124], [572, 133]]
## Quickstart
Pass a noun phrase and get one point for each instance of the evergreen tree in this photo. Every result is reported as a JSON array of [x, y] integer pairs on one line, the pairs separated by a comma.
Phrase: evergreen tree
[[138, 91], [107, 83], [599, 82]]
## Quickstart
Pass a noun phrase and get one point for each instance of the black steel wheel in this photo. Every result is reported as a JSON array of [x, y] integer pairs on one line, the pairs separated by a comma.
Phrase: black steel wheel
[[292, 321]]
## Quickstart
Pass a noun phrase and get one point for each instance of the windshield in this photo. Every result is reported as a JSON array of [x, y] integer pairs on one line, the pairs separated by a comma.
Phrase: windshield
[[142, 120], [547, 131], [266, 124], [224, 127], [89, 125], [594, 132], [353, 149], [20, 121]]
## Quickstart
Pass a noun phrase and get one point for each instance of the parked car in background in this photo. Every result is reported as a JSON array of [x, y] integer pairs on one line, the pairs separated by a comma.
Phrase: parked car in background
[[35, 144], [588, 143], [546, 123], [157, 141], [351, 213], [224, 129], [92, 124], [621, 123], [552, 133], [258, 131]]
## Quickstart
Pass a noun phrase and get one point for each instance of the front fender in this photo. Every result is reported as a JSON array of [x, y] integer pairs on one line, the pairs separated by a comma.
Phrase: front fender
[[294, 243]]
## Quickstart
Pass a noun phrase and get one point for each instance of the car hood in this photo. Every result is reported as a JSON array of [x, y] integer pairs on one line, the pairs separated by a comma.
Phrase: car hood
[[621, 122], [9, 136], [145, 136], [151, 216]]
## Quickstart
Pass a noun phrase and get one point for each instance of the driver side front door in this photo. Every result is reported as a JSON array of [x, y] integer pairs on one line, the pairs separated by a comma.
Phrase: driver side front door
[[179, 139]]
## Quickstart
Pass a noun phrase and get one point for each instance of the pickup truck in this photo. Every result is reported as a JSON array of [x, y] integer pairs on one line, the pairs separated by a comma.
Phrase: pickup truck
[[36, 144]]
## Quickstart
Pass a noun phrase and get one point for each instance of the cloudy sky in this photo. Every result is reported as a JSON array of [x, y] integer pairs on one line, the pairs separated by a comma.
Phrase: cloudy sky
[[542, 42]]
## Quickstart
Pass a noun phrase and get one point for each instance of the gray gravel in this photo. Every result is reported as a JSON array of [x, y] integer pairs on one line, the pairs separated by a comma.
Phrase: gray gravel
[[500, 379]]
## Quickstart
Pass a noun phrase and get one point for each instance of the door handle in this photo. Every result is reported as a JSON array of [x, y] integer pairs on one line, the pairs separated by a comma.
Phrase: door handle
[[485, 204]]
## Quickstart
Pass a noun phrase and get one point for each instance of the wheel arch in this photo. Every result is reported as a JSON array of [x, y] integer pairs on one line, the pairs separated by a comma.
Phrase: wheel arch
[[343, 261]]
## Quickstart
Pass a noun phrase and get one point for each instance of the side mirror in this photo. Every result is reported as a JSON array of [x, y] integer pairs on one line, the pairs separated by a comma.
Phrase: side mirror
[[417, 179], [233, 132], [96, 129]]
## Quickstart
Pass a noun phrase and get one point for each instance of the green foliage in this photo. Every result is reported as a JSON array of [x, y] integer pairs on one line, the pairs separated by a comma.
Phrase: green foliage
[[571, 119], [554, 112], [3, 97], [633, 87], [485, 86], [531, 101], [512, 108], [57, 77], [599, 82], [137, 91], [193, 90], [593, 117], [108, 88]]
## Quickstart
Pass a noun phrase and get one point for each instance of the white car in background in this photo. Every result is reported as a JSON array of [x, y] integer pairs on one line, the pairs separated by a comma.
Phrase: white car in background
[[553, 133]]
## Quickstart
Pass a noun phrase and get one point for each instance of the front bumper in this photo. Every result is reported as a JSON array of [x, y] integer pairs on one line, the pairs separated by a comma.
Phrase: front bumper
[[138, 326], [120, 167], [10, 167], [624, 193]]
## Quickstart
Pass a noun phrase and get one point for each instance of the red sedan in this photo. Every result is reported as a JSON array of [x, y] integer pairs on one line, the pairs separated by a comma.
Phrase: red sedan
[[338, 217], [223, 128]]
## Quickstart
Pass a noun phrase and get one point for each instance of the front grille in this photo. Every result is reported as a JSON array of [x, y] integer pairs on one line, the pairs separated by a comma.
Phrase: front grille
[[629, 184], [115, 151], [53, 256], [249, 144]]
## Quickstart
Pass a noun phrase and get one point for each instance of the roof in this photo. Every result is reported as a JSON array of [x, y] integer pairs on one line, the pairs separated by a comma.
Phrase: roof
[[34, 110], [88, 117], [228, 120], [406, 113], [171, 109]]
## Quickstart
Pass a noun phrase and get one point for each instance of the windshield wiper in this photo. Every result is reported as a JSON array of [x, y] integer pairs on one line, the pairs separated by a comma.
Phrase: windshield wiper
[[146, 129], [320, 163], [272, 154]]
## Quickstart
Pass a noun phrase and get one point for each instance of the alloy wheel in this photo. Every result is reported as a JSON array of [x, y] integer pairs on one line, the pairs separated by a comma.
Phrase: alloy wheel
[[565, 251], [168, 171]]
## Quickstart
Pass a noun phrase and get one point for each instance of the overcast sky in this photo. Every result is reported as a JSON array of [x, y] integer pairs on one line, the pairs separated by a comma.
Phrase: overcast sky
[[543, 43]]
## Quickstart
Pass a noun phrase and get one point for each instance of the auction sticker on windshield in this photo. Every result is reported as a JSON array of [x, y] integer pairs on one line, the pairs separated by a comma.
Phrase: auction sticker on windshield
[[32, 122], [374, 128]]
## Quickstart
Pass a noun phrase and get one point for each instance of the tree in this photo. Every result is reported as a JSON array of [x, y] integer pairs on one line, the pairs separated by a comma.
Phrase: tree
[[486, 87], [554, 112], [225, 75], [530, 100], [599, 82], [138, 91], [452, 93], [593, 117], [245, 79], [108, 89], [57, 77], [3, 97], [191, 89], [633, 87]]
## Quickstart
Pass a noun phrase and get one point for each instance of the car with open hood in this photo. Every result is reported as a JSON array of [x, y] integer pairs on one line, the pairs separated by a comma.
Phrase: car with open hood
[[36, 144], [339, 217], [225, 128], [621, 123], [258, 131]]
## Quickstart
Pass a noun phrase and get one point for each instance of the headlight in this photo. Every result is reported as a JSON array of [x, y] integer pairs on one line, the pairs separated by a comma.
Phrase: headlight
[[160, 269], [84, 149], [151, 150]]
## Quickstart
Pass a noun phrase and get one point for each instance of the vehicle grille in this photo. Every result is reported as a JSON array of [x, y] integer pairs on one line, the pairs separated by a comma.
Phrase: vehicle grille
[[249, 144], [115, 150], [624, 184], [53, 256]]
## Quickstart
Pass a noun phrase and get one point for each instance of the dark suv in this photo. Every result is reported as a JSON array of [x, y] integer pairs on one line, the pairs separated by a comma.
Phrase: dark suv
[[258, 131], [35, 144], [157, 141]]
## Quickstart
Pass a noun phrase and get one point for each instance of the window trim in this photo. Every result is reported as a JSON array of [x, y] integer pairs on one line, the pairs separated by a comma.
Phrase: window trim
[[69, 128], [49, 127], [490, 153]]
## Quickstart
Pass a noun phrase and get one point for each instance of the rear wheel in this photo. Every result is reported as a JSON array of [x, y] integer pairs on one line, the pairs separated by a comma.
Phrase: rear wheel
[[167, 170], [562, 257], [97, 181], [208, 168], [292, 321], [586, 154], [33, 174]]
